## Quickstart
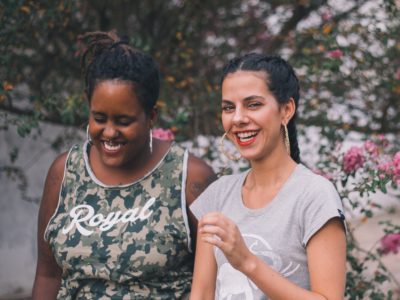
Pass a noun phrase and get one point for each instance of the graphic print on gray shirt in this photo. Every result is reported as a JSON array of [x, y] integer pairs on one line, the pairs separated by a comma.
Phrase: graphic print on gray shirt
[[277, 233]]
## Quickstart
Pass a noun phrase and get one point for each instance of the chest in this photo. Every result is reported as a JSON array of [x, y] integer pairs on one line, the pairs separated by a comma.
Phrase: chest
[[121, 231]]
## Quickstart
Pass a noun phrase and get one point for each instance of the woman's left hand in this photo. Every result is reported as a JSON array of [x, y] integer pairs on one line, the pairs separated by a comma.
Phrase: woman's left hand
[[218, 230]]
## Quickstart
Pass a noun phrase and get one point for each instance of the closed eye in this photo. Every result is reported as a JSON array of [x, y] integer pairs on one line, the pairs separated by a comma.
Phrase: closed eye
[[99, 118], [227, 108], [124, 121], [254, 105]]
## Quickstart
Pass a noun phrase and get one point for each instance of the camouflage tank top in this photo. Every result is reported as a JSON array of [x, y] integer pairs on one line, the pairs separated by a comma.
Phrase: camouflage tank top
[[122, 242]]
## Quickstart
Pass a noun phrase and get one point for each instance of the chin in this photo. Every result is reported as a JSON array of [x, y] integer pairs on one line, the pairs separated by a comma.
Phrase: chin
[[249, 156], [253, 155], [113, 163]]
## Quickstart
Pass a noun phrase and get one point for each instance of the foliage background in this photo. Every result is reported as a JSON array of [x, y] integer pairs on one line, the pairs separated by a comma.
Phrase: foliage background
[[346, 54]]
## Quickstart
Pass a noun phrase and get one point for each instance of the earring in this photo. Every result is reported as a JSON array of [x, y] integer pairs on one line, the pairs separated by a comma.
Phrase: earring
[[227, 154], [89, 139], [286, 139], [151, 141]]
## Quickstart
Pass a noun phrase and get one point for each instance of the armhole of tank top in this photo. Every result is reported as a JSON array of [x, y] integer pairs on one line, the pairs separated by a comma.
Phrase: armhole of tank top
[[45, 235], [183, 198]]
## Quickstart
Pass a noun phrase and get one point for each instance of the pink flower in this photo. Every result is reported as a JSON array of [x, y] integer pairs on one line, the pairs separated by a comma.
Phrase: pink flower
[[396, 160], [383, 140], [337, 53], [371, 148], [390, 243], [163, 134], [396, 167], [353, 159], [397, 76], [385, 167], [326, 16]]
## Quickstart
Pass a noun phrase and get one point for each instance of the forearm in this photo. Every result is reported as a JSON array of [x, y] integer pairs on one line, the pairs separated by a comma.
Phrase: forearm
[[205, 271], [273, 284], [199, 293], [45, 288]]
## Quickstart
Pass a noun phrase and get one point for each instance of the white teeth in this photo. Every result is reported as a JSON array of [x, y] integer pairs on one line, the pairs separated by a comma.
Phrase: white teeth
[[246, 136], [110, 146]]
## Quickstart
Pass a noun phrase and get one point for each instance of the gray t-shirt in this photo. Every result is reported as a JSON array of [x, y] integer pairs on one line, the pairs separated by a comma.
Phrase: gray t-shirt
[[278, 233]]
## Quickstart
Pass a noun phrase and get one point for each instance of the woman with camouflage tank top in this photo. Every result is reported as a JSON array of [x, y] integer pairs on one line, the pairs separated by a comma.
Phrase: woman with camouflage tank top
[[113, 221]]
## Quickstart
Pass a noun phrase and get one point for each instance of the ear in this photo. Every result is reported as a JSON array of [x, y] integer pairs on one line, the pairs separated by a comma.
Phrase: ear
[[287, 111], [153, 116]]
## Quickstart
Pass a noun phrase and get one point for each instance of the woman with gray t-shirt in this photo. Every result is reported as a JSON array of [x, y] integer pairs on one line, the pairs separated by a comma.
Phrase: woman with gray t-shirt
[[277, 230]]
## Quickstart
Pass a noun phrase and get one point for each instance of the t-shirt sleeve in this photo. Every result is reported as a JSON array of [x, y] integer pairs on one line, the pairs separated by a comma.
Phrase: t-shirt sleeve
[[321, 204], [205, 202]]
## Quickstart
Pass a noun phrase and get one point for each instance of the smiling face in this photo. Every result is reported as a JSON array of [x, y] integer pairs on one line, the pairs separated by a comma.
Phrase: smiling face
[[118, 125], [252, 116]]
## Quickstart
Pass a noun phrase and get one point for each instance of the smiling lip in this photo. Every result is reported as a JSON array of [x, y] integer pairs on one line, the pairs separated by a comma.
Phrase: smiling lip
[[245, 138], [112, 147]]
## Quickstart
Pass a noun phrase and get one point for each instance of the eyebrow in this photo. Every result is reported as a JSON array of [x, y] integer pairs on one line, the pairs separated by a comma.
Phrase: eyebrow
[[116, 116], [247, 99]]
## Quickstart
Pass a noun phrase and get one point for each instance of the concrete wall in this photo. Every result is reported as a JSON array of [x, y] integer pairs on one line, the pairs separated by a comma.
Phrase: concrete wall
[[18, 217]]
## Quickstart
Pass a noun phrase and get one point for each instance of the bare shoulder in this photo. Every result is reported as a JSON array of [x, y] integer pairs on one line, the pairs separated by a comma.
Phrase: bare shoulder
[[200, 175], [56, 172], [52, 188]]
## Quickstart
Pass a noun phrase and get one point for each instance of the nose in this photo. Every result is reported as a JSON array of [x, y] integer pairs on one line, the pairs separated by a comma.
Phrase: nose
[[239, 117], [109, 131]]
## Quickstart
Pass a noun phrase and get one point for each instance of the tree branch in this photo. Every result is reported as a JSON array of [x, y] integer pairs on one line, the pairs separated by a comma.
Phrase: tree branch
[[300, 12], [52, 119]]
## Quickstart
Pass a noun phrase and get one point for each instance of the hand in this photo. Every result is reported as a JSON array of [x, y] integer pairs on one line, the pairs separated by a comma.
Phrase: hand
[[222, 232]]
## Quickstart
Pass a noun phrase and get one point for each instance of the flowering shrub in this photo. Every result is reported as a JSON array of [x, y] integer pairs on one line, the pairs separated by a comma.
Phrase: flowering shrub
[[163, 134], [358, 173]]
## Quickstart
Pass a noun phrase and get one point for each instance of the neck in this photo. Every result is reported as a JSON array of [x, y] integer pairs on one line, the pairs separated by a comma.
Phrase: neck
[[143, 162], [272, 170]]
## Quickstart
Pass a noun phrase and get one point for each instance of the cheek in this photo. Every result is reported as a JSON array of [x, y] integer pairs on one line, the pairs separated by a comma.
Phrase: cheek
[[93, 126], [226, 122], [137, 132]]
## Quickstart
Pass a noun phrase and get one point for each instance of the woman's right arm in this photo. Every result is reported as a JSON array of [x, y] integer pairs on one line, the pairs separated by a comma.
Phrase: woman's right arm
[[205, 271], [48, 273]]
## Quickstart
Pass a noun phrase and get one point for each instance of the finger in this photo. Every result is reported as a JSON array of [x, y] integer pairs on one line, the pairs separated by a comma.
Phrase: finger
[[211, 218], [214, 218], [214, 213], [213, 240], [213, 230]]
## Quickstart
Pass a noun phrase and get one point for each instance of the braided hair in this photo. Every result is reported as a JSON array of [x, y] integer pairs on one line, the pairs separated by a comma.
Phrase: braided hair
[[109, 57], [281, 81]]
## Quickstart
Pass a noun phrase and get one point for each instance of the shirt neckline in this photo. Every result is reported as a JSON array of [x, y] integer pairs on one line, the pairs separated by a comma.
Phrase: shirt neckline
[[85, 149], [275, 199]]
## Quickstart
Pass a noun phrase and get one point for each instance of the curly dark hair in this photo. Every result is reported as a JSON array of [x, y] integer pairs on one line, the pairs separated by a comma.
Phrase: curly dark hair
[[108, 57]]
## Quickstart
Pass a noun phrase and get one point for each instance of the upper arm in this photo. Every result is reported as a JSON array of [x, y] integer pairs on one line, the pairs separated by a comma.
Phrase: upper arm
[[199, 177], [205, 271], [326, 255], [48, 273]]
